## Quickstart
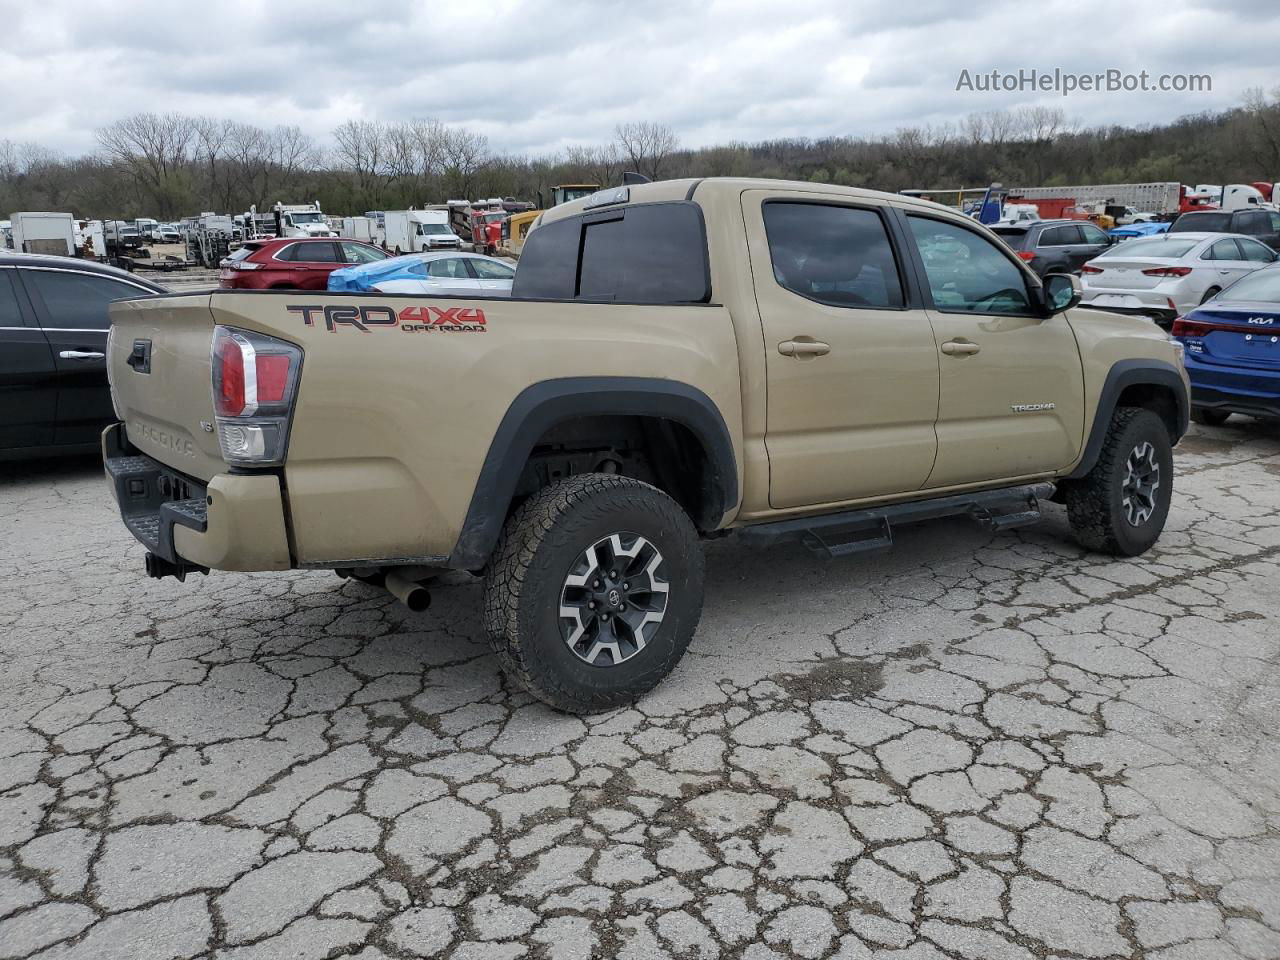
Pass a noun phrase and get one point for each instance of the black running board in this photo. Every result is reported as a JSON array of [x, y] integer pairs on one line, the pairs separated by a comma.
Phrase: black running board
[[839, 534]]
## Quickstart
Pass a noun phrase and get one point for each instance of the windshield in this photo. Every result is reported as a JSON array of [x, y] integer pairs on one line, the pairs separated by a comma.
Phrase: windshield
[[1151, 247], [432, 228], [1263, 286], [307, 217], [1209, 222]]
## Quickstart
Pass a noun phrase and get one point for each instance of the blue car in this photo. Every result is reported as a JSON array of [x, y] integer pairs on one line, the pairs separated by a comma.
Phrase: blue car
[[1138, 230], [1232, 345]]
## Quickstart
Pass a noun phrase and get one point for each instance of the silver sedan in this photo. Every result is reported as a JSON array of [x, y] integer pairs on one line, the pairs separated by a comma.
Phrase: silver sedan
[[1167, 275], [450, 273]]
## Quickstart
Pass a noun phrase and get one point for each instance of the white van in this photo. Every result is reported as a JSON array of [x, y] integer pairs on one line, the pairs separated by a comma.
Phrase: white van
[[416, 231]]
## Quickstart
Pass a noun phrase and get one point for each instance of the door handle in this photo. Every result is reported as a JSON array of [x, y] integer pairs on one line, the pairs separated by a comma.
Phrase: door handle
[[960, 348], [804, 348], [81, 355]]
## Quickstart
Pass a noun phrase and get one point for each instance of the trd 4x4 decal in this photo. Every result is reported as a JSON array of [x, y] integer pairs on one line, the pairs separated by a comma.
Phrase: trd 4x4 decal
[[409, 319]]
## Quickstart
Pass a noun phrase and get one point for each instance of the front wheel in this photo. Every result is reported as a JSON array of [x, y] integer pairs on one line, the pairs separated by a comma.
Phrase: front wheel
[[594, 591], [1120, 506]]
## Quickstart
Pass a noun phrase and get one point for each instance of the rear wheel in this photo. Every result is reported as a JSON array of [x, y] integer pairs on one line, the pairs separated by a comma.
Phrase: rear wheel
[[1209, 418], [594, 591], [1121, 505], [1210, 294]]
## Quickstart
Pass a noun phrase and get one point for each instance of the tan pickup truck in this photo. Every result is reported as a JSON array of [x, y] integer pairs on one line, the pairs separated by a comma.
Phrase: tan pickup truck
[[677, 359]]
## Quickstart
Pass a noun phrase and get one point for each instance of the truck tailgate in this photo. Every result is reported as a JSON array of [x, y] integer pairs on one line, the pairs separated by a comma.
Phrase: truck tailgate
[[161, 380]]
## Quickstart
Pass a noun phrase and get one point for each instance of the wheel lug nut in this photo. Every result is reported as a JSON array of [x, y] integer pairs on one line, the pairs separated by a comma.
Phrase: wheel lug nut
[[613, 574], [604, 616], [626, 586], [596, 584], [591, 604]]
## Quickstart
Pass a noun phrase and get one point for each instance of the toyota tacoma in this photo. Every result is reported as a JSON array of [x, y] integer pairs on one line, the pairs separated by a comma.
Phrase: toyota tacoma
[[678, 360]]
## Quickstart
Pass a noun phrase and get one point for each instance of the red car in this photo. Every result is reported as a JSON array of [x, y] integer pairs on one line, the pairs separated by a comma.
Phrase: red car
[[292, 263]]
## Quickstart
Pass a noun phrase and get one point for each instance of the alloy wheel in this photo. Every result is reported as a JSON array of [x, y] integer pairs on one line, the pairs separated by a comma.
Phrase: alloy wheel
[[613, 599], [1141, 482]]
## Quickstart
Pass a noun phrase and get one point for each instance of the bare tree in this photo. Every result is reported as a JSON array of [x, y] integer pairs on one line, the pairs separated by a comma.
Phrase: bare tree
[[647, 145], [155, 150], [602, 165], [464, 154], [361, 150], [1261, 129]]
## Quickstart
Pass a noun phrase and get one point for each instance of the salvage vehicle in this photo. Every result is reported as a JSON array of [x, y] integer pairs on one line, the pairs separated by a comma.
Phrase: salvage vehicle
[[1233, 350], [291, 263], [54, 397], [1054, 246], [1164, 276], [430, 274], [678, 360]]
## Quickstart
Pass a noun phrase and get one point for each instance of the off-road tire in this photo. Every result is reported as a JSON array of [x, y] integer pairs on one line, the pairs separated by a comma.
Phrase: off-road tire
[[526, 575], [1095, 502], [1209, 418]]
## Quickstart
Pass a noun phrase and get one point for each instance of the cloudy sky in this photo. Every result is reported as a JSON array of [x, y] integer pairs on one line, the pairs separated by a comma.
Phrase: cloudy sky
[[538, 75]]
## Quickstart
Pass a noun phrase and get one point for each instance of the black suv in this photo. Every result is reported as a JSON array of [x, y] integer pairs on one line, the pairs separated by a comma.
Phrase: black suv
[[1262, 225], [1054, 246], [54, 396]]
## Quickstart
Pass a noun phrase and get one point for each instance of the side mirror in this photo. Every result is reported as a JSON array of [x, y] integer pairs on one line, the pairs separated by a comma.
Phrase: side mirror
[[1062, 291]]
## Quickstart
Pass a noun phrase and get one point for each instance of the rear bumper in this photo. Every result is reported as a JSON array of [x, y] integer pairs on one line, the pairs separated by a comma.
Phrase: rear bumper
[[1234, 389], [234, 522], [1153, 303]]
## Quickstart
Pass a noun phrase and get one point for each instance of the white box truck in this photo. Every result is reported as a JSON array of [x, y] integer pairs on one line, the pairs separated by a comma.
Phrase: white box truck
[[360, 228], [419, 231], [301, 220], [49, 233]]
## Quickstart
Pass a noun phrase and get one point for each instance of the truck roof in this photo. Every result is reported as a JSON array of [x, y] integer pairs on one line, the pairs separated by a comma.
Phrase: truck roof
[[686, 189]]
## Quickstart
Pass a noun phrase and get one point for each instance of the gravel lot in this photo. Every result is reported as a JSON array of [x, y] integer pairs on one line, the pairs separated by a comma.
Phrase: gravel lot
[[973, 746]]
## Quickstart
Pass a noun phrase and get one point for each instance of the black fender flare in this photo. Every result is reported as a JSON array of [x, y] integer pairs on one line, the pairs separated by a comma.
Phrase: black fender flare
[[1124, 374], [542, 405]]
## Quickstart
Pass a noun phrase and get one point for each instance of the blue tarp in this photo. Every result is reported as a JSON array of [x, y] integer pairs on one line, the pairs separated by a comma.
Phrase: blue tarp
[[1138, 230], [363, 276]]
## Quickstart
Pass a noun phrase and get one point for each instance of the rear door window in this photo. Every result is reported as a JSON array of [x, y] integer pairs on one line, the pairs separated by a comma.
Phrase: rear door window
[[488, 270], [1060, 236], [448, 268], [1222, 250], [832, 254], [314, 251], [647, 253]]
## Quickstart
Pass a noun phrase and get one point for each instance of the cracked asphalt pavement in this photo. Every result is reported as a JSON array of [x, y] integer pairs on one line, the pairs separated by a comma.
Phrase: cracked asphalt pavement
[[977, 745]]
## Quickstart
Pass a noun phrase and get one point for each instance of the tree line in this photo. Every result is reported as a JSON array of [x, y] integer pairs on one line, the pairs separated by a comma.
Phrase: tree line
[[172, 165]]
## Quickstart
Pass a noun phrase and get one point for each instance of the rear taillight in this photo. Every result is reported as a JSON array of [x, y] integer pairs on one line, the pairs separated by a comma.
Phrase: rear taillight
[[243, 265], [255, 380], [1090, 268], [1182, 327], [1166, 271], [1026, 255]]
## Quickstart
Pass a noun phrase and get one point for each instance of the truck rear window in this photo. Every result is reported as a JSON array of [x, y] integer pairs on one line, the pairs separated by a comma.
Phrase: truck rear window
[[648, 253]]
